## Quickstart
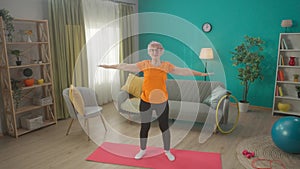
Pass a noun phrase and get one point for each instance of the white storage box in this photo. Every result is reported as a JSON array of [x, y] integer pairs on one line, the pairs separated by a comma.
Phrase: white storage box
[[31, 122], [42, 101]]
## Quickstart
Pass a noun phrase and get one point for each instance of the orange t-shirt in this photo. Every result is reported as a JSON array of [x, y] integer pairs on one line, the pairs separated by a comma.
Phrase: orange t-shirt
[[154, 88]]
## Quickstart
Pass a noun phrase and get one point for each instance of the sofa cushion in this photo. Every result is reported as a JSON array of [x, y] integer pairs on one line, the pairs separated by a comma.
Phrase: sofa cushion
[[213, 99], [133, 85], [131, 105]]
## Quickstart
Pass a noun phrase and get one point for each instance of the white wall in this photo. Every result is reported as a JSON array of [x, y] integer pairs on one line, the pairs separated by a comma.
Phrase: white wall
[[29, 9]]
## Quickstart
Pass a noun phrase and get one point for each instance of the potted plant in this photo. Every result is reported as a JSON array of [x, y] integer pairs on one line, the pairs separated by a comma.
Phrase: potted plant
[[8, 20], [298, 91], [17, 53], [28, 73], [296, 77], [247, 58]]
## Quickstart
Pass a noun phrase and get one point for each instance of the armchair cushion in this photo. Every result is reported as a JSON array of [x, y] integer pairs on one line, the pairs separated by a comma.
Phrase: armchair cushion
[[76, 99], [133, 85]]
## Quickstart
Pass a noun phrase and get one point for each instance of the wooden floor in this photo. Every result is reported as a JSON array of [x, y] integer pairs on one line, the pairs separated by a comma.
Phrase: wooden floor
[[51, 148]]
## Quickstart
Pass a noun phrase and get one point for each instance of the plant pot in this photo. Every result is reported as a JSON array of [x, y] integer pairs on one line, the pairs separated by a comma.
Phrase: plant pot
[[298, 93], [29, 82], [18, 62], [244, 106]]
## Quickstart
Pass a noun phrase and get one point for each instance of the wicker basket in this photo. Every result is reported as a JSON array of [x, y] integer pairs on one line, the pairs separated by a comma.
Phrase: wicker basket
[[42, 101], [31, 122]]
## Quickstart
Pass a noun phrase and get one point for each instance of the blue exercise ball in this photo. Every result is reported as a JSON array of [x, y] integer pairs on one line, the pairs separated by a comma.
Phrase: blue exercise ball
[[286, 134]]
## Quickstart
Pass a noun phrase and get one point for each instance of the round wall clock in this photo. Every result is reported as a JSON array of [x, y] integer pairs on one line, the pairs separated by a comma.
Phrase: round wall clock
[[206, 27]]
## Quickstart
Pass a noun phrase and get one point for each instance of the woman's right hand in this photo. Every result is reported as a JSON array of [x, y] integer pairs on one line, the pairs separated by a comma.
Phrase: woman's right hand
[[106, 66]]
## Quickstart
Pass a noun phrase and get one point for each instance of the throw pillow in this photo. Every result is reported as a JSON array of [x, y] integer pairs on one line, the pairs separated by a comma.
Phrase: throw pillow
[[76, 99], [133, 85], [213, 99]]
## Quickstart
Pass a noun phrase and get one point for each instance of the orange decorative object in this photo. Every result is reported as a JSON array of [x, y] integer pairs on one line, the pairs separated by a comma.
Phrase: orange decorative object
[[29, 82]]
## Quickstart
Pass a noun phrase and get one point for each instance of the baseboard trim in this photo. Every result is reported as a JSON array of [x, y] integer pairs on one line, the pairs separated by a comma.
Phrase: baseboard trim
[[255, 107]]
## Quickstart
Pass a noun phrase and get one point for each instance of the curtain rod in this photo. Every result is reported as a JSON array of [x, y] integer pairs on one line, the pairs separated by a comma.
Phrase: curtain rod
[[122, 2]]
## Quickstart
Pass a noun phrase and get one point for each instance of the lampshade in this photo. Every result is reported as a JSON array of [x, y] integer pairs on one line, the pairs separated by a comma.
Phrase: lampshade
[[286, 23], [206, 53]]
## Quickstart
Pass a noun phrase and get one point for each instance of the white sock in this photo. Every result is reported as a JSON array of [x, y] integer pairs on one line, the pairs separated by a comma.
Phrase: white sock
[[140, 154], [170, 156]]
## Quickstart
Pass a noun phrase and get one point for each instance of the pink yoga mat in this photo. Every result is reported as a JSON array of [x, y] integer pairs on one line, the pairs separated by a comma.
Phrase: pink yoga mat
[[123, 154]]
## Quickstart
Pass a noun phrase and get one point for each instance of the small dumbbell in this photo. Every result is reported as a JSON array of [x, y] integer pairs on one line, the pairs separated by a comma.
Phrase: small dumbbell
[[248, 154]]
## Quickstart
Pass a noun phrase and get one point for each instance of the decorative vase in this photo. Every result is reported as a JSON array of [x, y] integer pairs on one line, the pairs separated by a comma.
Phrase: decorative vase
[[292, 61], [40, 81], [283, 106], [28, 38], [29, 82]]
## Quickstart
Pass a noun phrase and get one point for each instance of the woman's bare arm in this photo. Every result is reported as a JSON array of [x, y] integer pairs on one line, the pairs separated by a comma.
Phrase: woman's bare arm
[[188, 72], [122, 66]]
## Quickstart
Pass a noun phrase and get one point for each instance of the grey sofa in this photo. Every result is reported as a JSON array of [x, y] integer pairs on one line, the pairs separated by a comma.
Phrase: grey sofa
[[188, 101]]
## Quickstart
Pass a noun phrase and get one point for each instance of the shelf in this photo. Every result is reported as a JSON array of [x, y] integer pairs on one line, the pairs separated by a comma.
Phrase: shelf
[[287, 97], [29, 65], [25, 43], [22, 131], [36, 55], [286, 113], [30, 20], [286, 66], [288, 45], [29, 108], [289, 82], [289, 50], [35, 86]]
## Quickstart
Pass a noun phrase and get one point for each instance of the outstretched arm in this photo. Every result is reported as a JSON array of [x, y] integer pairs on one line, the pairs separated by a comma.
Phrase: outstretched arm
[[122, 66], [188, 72]]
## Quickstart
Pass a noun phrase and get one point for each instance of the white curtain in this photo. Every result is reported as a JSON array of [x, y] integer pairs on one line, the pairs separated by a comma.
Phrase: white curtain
[[102, 36]]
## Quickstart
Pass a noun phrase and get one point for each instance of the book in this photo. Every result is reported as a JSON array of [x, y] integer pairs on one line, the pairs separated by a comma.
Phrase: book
[[281, 60], [280, 75], [284, 44], [280, 91]]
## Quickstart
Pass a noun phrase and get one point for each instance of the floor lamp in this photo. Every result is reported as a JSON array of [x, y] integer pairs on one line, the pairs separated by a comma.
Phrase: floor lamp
[[206, 54]]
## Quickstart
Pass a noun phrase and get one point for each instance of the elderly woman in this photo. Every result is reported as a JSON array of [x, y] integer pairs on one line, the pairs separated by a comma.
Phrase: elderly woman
[[154, 95]]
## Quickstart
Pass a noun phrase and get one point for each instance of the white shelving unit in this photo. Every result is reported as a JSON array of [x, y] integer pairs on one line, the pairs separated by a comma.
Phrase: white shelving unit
[[289, 45], [36, 57]]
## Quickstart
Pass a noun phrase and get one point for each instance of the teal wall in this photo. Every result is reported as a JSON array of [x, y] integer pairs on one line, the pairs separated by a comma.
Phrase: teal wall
[[231, 21]]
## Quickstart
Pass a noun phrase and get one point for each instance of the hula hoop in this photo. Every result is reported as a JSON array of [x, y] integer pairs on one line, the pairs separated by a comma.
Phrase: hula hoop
[[237, 118]]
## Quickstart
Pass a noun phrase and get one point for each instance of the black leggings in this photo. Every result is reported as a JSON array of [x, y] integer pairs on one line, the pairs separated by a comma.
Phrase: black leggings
[[162, 112]]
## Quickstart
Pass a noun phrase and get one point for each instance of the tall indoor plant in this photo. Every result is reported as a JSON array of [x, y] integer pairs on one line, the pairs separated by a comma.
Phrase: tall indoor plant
[[247, 58]]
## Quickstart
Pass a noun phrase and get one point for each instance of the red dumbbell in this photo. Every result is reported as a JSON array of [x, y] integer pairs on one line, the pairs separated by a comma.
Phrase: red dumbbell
[[248, 154]]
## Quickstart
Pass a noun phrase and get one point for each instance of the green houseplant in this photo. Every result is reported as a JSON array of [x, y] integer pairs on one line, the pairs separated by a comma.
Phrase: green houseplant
[[8, 20], [247, 58], [17, 53]]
